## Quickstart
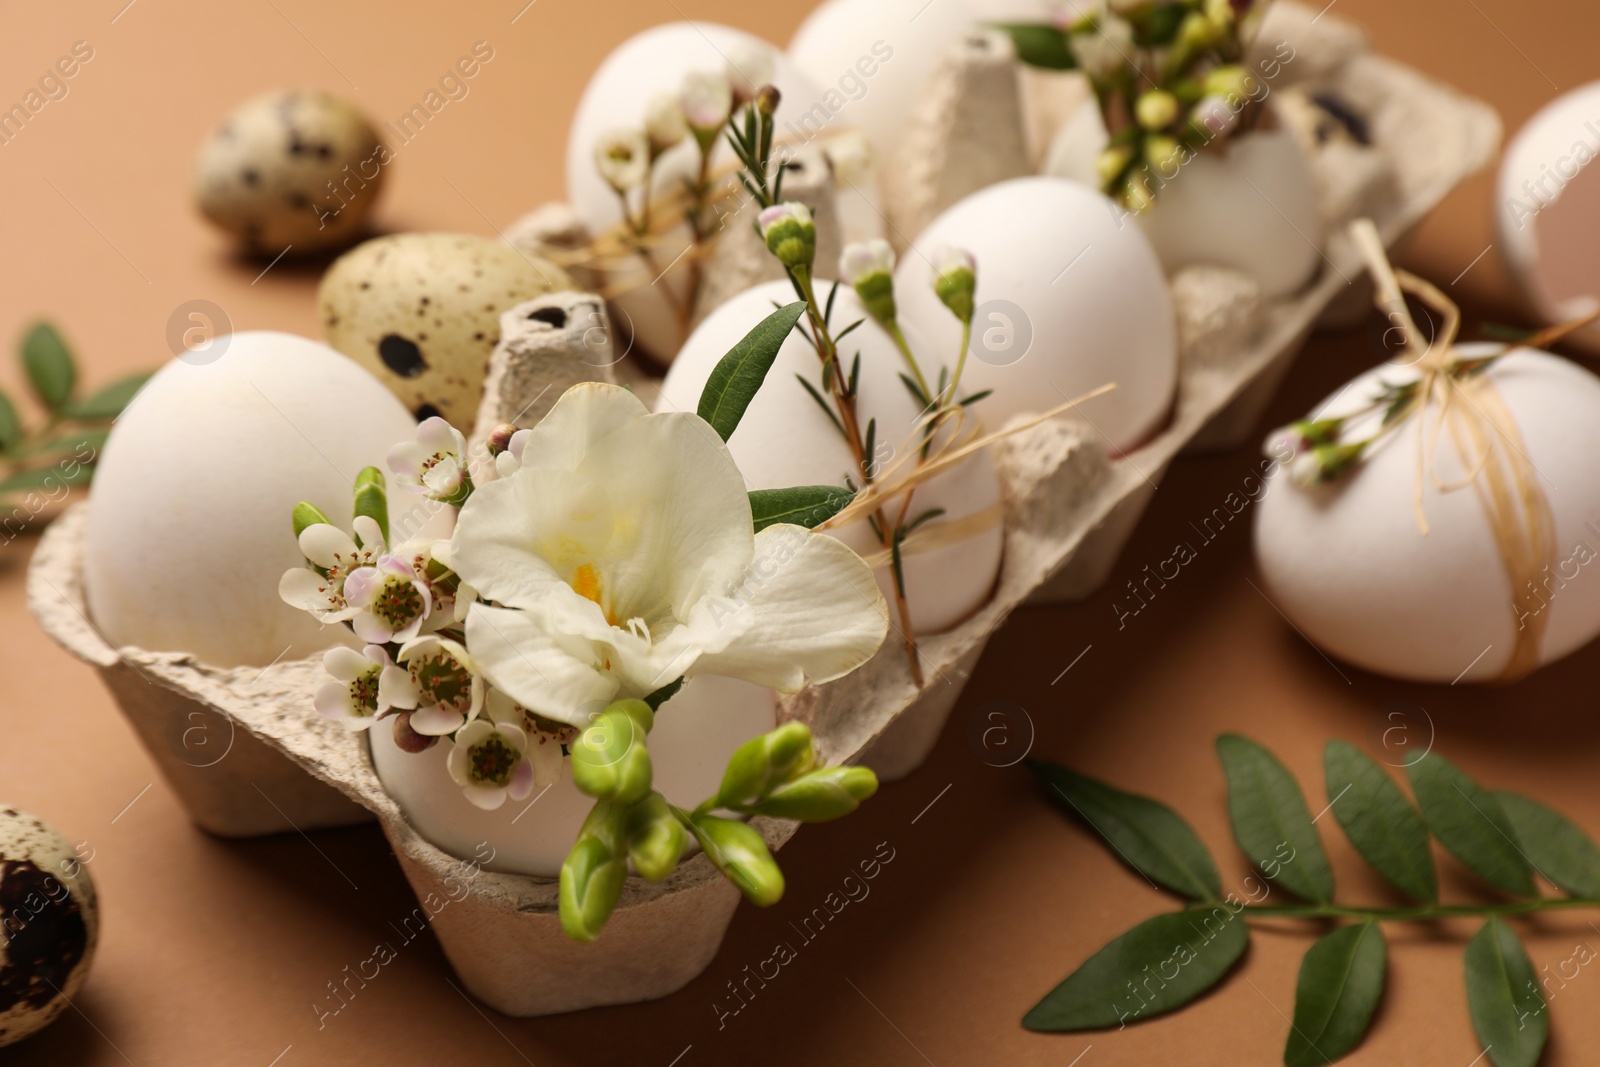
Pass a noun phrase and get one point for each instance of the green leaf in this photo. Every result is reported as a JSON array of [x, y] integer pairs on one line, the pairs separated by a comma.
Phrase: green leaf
[[49, 364], [1468, 820], [371, 498], [1149, 836], [1503, 997], [1039, 45], [1158, 966], [1379, 820], [803, 505], [108, 402], [1341, 981], [1554, 844], [1269, 815], [48, 478], [10, 425], [736, 379]]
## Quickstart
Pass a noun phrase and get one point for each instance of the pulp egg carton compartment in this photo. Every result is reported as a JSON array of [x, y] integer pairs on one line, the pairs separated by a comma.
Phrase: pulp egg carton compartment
[[247, 754]]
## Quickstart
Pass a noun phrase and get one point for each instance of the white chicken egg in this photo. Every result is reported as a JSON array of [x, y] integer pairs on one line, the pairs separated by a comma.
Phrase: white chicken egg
[[1069, 298], [786, 439], [189, 526], [1548, 206], [1347, 562], [617, 97], [1250, 204], [873, 59], [695, 734]]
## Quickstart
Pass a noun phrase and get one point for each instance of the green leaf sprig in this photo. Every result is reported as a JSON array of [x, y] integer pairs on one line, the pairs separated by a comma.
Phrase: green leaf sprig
[[59, 452], [1168, 961]]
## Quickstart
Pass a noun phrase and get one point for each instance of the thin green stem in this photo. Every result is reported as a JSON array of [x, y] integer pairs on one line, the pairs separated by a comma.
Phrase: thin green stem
[[961, 364], [1416, 914], [911, 360]]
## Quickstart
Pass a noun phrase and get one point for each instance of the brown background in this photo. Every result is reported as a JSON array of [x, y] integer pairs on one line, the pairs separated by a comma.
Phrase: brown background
[[213, 952]]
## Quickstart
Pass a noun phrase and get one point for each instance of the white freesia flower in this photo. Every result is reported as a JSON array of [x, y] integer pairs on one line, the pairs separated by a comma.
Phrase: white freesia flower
[[620, 557], [435, 463], [338, 557], [355, 697], [390, 601], [438, 683], [489, 762], [707, 100], [623, 158]]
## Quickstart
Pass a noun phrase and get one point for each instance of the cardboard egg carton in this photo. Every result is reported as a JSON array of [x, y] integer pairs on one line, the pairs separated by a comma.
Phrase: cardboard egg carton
[[1070, 506]]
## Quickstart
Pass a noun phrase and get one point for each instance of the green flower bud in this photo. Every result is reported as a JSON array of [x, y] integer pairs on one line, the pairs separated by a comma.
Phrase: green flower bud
[[762, 763], [1156, 109], [610, 760], [308, 514], [1111, 164], [1136, 195], [820, 796], [1196, 33], [591, 884], [790, 233], [1232, 82], [372, 499], [767, 100], [656, 839], [955, 280], [741, 855], [868, 267], [1164, 154]]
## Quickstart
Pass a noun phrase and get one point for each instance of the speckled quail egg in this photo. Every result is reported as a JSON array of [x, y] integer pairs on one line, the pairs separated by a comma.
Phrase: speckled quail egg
[[421, 311], [294, 169], [51, 920]]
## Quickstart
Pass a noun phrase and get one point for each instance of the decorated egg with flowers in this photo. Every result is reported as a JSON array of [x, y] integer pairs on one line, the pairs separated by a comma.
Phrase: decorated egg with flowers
[[1436, 519]]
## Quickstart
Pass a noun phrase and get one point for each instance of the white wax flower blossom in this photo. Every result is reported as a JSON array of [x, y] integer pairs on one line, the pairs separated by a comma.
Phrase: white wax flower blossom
[[707, 100], [1306, 469], [948, 260], [664, 123], [391, 601], [489, 762], [355, 697], [338, 556], [864, 259], [749, 68], [778, 213], [620, 556], [544, 740], [1215, 115], [1105, 50], [623, 158], [435, 463], [439, 684], [508, 462]]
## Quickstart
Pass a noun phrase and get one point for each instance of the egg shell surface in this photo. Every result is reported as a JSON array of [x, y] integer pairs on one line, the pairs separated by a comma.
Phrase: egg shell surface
[[1249, 204], [1347, 563], [421, 312], [873, 60], [189, 524], [1069, 298], [695, 734], [51, 917], [1549, 207], [298, 167], [785, 439], [616, 97]]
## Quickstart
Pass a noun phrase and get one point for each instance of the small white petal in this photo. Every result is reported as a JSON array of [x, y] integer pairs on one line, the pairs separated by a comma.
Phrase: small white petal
[[521, 784], [436, 721], [396, 689], [326, 545], [489, 798], [333, 701], [345, 664], [371, 534]]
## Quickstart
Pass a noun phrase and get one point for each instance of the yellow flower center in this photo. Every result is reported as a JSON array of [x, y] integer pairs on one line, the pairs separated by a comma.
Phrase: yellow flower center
[[586, 583]]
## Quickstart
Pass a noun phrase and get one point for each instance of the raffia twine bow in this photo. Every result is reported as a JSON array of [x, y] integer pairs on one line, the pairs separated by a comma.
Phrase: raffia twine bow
[[1484, 433]]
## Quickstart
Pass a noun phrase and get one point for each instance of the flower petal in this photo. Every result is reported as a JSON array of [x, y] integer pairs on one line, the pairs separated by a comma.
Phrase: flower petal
[[519, 539], [333, 701], [814, 613], [345, 664], [689, 529], [325, 545], [438, 436], [552, 674], [436, 721], [487, 797], [585, 414], [304, 588], [521, 784], [371, 534], [396, 690]]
